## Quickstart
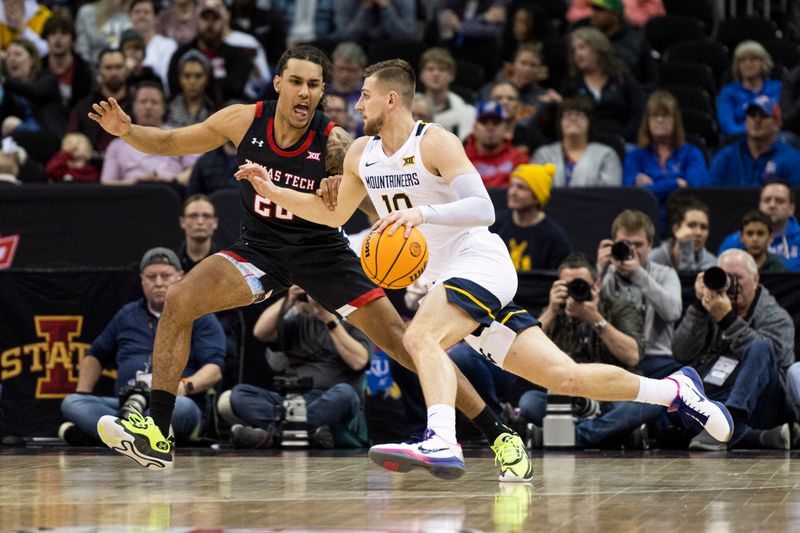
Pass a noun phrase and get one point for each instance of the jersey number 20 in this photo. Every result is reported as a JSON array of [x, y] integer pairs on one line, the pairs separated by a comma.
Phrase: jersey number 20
[[265, 208], [395, 203]]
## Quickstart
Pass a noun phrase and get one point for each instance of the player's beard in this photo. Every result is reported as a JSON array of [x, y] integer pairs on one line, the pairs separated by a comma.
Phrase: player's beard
[[374, 126]]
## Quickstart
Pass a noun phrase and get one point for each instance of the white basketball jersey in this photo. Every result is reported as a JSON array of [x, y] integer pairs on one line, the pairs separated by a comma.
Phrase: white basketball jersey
[[401, 181]]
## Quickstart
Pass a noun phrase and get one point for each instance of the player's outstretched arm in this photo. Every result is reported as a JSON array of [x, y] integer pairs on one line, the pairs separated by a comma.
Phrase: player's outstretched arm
[[310, 206], [227, 124]]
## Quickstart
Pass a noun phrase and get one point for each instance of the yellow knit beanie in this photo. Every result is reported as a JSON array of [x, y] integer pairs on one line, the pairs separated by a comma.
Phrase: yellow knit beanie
[[539, 179]]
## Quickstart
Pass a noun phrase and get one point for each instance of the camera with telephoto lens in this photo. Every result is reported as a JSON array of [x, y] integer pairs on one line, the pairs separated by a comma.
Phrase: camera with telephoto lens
[[133, 397], [622, 251], [579, 290], [717, 279], [292, 416]]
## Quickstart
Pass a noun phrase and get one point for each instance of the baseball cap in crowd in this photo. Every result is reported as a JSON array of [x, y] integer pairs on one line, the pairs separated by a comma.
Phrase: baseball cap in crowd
[[160, 256], [769, 106], [490, 108], [611, 5]]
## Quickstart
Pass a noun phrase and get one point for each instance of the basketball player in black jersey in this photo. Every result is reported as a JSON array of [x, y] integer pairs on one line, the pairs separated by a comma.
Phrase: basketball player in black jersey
[[298, 147]]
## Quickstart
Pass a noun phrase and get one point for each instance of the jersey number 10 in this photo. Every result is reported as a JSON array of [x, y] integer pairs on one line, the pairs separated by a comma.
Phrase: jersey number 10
[[396, 201]]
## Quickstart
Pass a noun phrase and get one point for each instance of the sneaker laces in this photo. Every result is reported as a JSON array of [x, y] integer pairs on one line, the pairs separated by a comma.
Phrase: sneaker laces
[[506, 452], [137, 419], [696, 404]]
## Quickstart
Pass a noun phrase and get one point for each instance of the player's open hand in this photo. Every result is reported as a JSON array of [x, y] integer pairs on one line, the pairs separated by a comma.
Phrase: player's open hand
[[111, 117], [402, 217], [258, 178], [329, 190]]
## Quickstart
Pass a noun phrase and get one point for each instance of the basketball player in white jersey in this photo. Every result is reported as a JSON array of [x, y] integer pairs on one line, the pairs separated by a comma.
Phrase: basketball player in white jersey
[[417, 174]]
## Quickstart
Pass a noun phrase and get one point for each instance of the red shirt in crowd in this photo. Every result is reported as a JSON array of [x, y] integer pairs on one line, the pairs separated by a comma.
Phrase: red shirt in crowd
[[58, 169], [495, 169]]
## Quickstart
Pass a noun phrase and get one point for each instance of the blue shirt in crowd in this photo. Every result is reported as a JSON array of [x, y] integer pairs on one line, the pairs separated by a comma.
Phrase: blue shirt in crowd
[[786, 246], [734, 166], [686, 162], [732, 101], [128, 341]]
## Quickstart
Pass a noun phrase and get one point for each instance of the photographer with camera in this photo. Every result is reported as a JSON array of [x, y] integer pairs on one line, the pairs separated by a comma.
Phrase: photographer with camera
[[587, 325], [332, 353], [654, 289], [741, 342], [127, 343], [590, 326]]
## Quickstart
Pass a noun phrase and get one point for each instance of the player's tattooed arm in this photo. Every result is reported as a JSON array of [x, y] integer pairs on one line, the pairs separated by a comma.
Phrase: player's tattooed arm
[[367, 207], [338, 143]]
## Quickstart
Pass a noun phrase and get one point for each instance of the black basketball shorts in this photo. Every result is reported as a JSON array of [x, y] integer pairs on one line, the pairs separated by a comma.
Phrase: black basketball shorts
[[328, 270]]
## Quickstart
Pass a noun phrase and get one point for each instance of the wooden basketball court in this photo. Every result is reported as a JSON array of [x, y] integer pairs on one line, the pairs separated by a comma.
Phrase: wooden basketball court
[[94, 490]]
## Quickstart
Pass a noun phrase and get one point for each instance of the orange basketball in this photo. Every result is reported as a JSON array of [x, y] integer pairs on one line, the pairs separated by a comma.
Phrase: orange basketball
[[394, 261]]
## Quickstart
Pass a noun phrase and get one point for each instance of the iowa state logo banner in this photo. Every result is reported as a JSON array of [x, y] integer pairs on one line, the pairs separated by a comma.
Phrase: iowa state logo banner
[[48, 321], [55, 356]]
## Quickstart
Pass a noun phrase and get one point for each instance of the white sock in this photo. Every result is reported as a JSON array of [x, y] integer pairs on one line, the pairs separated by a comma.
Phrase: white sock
[[657, 391], [442, 420]]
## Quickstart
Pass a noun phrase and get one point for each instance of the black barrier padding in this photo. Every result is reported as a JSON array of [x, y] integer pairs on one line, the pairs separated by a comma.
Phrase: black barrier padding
[[228, 205], [586, 213], [64, 225]]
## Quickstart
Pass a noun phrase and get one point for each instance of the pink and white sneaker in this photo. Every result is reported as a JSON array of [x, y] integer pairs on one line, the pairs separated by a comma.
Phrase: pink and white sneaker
[[444, 459]]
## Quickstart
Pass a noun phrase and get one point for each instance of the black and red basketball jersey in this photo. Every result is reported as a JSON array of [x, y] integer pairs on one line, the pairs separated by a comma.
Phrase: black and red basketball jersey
[[300, 167]]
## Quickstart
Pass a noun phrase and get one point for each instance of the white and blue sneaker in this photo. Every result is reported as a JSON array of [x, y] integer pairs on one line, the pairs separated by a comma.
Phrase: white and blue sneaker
[[444, 459], [692, 401]]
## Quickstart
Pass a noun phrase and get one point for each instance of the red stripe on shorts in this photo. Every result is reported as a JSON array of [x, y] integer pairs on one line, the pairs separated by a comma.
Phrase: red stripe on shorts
[[367, 297], [234, 256]]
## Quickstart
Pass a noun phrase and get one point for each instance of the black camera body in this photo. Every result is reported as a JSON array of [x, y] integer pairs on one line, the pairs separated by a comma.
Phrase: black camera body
[[291, 383], [579, 290], [622, 251], [136, 396]]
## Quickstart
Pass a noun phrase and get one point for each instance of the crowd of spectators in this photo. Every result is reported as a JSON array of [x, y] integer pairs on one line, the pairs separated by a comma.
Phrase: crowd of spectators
[[583, 88], [588, 96]]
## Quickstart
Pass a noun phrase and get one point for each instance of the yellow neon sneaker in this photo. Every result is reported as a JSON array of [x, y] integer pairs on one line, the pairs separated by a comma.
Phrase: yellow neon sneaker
[[139, 438], [511, 455]]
